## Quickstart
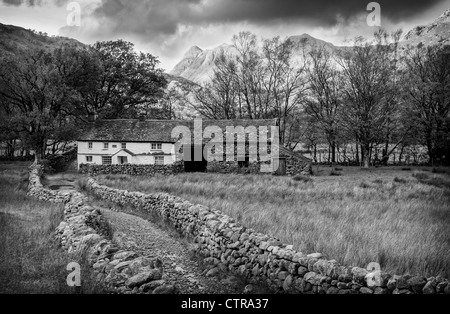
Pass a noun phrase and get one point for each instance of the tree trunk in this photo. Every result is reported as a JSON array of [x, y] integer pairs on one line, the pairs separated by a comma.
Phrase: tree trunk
[[333, 152], [431, 152], [37, 157], [10, 149], [39, 152], [315, 153], [363, 155], [365, 151], [357, 154], [329, 154]]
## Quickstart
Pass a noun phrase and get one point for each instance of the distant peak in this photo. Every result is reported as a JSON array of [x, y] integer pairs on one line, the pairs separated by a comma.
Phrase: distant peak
[[304, 35], [193, 52]]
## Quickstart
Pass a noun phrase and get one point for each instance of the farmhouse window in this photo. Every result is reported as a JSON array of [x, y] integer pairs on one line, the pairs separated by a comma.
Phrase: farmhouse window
[[114, 146], [88, 158], [90, 145], [105, 145], [106, 160], [159, 160], [124, 145], [156, 146]]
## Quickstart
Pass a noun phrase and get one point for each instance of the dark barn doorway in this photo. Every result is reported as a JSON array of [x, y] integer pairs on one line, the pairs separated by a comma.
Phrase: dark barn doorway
[[194, 164]]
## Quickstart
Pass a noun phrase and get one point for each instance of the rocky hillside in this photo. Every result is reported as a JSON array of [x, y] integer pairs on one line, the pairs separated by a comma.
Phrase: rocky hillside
[[197, 65], [437, 32]]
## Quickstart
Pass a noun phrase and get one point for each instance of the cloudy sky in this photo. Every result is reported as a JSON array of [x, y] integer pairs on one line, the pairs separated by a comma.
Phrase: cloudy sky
[[167, 28]]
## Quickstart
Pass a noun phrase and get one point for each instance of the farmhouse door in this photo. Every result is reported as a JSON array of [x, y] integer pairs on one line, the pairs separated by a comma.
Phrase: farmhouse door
[[123, 160], [197, 162]]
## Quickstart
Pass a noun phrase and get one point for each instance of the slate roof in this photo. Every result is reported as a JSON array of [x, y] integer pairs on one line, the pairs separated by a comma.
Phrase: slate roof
[[128, 130], [126, 151], [286, 152]]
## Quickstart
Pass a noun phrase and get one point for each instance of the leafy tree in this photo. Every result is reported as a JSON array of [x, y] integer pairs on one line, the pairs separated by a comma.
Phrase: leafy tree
[[428, 93], [45, 93], [115, 81], [35, 96]]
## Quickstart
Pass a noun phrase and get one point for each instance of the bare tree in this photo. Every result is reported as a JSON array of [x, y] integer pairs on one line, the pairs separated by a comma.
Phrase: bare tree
[[285, 82], [428, 93], [367, 71], [324, 103], [217, 99]]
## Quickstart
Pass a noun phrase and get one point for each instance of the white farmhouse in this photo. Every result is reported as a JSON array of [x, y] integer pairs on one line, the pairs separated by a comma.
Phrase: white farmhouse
[[117, 142]]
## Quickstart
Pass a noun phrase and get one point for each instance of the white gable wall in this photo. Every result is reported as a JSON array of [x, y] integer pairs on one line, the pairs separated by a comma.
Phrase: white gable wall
[[141, 152]]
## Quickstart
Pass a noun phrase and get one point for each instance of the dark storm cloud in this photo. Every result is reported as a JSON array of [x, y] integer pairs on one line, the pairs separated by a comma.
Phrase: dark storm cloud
[[165, 16], [20, 2], [323, 11], [32, 3]]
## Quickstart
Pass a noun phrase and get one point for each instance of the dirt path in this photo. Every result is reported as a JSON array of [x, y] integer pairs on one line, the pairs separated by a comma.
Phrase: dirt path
[[131, 232], [180, 265]]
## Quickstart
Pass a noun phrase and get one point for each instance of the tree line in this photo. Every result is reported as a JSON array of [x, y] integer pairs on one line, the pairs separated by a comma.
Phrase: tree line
[[369, 95], [374, 93]]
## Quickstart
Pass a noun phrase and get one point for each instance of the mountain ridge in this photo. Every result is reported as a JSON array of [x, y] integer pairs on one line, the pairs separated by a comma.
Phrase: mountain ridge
[[199, 66]]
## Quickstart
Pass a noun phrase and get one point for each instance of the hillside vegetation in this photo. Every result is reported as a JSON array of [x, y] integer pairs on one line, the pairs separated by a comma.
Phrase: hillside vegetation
[[30, 259]]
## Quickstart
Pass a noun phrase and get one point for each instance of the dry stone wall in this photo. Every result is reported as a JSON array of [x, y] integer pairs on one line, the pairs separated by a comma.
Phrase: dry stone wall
[[293, 167], [264, 259], [134, 170], [80, 234], [228, 167]]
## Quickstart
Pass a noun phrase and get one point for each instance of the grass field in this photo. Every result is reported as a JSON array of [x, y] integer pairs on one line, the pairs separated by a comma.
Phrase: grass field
[[30, 260], [397, 217]]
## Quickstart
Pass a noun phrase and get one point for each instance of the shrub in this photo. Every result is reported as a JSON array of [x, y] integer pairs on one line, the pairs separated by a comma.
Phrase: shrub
[[335, 173], [406, 169], [364, 185], [440, 170], [301, 178], [82, 184], [400, 180], [421, 176]]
